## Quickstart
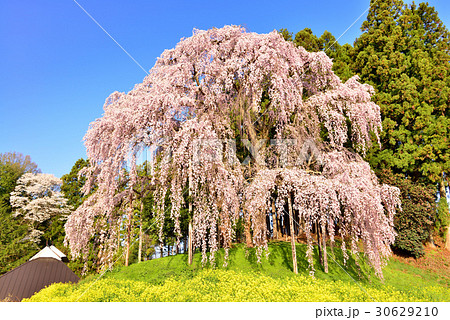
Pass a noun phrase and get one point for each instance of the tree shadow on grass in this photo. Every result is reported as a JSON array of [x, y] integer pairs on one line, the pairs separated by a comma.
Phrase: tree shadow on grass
[[243, 259], [281, 254]]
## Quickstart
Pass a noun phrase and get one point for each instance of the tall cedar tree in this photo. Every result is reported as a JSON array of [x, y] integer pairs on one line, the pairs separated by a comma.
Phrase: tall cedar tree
[[404, 54]]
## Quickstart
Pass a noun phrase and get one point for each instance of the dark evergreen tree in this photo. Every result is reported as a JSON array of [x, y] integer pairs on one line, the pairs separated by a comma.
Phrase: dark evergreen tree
[[404, 54]]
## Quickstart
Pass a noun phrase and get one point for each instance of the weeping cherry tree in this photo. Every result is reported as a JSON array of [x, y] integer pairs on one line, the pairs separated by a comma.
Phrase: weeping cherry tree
[[228, 114]]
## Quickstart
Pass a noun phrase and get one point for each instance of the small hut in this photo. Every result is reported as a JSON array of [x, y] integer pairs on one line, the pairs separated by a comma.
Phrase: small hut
[[43, 269]]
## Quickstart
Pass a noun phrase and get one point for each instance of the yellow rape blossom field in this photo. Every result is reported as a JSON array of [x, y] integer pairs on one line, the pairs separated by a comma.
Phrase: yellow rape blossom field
[[171, 279]]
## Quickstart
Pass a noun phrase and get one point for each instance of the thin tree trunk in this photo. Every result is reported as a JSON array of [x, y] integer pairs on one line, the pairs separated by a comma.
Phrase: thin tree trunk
[[127, 256], [319, 243], [140, 234], [118, 236], [286, 226], [302, 223], [190, 249], [443, 195], [130, 217], [190, 231], [294, 215], [447, 239], [274, 221], [332, 248], [324, 239], [291, 223], [430, 240], [248, 235]]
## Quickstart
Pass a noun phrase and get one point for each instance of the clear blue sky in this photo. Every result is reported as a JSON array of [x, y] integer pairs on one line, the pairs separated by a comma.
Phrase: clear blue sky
[[57, 66]]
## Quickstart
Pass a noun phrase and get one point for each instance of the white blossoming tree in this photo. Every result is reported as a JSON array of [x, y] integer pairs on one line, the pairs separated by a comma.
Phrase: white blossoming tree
[[37, 199]]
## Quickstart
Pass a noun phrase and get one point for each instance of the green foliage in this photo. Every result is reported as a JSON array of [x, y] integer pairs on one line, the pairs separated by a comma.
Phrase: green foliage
[[8, 178], [54, 232], [150, 226], [306, 39], [171, 279], [414, 223], [341, 55], [342, 61], [14, 250], [443, 217], [73, 184], [404, 53], [149, 215], [286, 34], [239, 229], [19, 163]]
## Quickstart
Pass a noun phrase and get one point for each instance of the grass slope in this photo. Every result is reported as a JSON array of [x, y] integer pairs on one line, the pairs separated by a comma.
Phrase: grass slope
[[171, 279]]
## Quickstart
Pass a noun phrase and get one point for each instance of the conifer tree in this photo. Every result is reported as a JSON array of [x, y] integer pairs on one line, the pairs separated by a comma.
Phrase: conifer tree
[[404, 54]]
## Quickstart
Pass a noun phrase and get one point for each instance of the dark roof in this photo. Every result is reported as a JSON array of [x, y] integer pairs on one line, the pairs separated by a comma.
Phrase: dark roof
[[32, 276]]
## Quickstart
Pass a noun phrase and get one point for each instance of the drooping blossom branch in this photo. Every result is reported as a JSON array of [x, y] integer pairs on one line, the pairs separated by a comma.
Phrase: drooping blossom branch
[[345, 194]]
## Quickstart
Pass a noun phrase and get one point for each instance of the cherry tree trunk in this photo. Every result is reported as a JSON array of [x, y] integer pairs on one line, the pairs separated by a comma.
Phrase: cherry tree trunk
[[332, 248], [324, 239], [248, 235], [127, 256], [274, 221], [319, 243], [118, 237], [190, 231], [285, 223], [291, 224], [140, 235], [190, 247]]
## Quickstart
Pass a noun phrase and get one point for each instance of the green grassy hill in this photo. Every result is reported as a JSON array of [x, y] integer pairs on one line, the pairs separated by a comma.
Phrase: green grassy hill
[[171, 279]]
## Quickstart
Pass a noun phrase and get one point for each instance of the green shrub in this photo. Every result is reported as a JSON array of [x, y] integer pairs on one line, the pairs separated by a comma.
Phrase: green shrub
[[414, 223]]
